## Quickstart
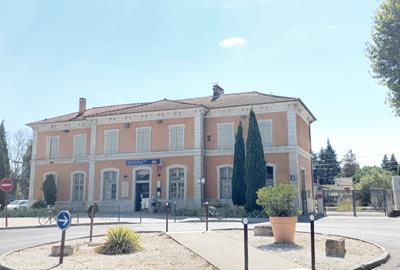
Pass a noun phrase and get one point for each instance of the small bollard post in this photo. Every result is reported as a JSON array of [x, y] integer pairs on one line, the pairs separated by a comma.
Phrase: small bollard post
[[6, 208], [174, 211], [312, 242], [77, 215], [246, 244], [206, 203], [140, 213], [353, 197], [119, 213], [166, 217]]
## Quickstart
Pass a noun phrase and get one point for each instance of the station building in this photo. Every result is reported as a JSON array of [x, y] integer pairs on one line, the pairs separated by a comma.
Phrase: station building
[[169, 150]]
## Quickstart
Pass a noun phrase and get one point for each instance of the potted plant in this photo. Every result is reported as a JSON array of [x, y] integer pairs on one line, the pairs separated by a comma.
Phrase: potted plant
[[278, 203]]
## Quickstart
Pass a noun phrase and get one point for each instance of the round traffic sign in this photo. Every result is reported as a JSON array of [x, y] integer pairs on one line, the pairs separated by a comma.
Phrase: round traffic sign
[[64, 219], [6, 184]]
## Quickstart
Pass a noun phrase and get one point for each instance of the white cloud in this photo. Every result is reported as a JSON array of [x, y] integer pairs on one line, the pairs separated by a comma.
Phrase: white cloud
[[233, 42], [332, 27]]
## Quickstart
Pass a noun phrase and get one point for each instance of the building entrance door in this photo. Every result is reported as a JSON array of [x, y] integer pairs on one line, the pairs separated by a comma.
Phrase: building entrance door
[[142, 191]]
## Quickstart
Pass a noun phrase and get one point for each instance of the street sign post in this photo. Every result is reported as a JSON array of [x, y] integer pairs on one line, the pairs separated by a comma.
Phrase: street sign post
[[64, 219], [6, 185], [91, 213]]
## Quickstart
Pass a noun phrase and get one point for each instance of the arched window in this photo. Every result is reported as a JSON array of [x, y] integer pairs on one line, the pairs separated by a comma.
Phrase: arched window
[[110, 184], [177, 183], [225, 182], [77, 186]]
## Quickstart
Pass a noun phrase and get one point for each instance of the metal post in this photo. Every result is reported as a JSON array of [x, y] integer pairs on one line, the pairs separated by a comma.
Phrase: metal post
[[353, 195], [77, 215], [174, 211], [140, 213], [246, 244], [62, 247], [206, 216], [6, 199], [119, 213], [166, 217], [91, 223], [312, 243]]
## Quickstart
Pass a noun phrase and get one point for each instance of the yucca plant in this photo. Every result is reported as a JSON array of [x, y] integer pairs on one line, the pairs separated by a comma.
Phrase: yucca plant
[[120, 240]]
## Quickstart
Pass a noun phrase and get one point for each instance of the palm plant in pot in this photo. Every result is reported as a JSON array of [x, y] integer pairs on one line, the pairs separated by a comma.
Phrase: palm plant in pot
[[278, 203]]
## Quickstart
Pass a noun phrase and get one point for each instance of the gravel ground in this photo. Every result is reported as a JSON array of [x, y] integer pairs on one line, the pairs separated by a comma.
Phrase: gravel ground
[[357, 252], [160, 252]]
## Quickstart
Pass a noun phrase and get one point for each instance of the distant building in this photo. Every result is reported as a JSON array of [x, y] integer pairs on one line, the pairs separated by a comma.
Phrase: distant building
[[344, 183], [169, 150]]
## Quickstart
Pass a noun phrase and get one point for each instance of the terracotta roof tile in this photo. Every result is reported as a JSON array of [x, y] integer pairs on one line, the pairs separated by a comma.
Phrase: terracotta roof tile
[[225, 100]]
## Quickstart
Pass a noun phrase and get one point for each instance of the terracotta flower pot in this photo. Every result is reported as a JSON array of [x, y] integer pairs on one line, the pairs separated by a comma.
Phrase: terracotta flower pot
[[284, 228]]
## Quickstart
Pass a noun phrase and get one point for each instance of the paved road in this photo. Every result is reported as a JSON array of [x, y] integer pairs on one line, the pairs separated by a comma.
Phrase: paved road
[[381, 230]]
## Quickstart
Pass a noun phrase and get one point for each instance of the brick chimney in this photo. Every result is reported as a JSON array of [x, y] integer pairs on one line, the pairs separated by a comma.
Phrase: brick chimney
[[82, 105], [217, 92]]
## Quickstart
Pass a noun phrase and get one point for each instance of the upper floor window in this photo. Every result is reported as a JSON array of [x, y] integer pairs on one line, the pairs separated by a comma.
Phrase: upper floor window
[[109, 185], [78, 181], [265, 127], [269, 175], [111, 141], [176, 183], [52, 147], [80, 145], [225, 182], [225, 136], [176, 137], [143, 136]]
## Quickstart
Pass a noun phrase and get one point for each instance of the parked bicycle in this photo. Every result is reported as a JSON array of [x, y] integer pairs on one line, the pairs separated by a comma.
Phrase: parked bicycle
[[213, 211], [50, 216]]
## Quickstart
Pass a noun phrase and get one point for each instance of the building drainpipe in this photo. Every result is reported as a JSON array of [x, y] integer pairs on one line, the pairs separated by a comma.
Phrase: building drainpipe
[[203, 151]]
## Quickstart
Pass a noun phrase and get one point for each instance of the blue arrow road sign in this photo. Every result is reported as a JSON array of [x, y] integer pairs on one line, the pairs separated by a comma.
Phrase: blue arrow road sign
[[63, 220]]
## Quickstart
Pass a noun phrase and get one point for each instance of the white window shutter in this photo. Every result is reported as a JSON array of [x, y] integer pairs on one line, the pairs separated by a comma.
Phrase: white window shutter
[[265, 128]]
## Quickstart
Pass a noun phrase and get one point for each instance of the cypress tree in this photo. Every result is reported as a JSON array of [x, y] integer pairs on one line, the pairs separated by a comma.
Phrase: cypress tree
[[385, 163], [49, 190], [4, 160], [254, 164], [238, 183]]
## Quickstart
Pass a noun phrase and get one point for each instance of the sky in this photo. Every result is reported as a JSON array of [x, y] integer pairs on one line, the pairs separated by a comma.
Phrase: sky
[[110, 52]]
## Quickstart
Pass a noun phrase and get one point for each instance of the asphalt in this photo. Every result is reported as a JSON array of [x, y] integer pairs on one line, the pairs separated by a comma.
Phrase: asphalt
[[381, 230]]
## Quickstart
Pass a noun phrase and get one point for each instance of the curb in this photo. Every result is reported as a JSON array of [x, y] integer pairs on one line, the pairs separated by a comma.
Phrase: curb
[[72, 225]]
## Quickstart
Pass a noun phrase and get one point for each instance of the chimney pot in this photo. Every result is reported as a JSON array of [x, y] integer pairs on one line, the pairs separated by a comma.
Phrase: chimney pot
[[217, 91], [82, 105]]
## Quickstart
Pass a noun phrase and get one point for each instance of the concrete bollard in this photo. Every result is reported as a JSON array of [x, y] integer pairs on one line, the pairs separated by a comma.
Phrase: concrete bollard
[[264, 230], [335, 247]]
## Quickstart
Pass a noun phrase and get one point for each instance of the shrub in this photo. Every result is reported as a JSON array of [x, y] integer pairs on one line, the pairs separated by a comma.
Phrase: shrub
[[49, 190], [188, 212], [120, 240], [39, 204], [278, 201], [25, 212]]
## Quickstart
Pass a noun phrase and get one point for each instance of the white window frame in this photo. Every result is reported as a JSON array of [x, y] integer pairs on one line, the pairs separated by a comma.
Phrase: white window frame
[[137, 138], [48, 150], [102, 183], [170, 138], [84, 151], [220, 137], [184, 167], [219, 180], [72, 184], [274, 167], [272, 127], [105, 144]]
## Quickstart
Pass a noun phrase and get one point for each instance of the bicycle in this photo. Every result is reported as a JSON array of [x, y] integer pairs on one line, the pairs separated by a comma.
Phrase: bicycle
[[47, 218], [216, 212]]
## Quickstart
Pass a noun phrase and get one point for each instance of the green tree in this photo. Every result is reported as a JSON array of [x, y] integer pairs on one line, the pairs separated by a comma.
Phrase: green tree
[[254, 164], [4, 159], [393, 164], [238, 183], [384, 50], [26, 170], [385, 163], [349, 164], [49, 189], [325, 165]]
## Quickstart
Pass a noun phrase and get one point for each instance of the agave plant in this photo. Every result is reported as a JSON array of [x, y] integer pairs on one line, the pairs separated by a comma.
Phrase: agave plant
[[120, 240]]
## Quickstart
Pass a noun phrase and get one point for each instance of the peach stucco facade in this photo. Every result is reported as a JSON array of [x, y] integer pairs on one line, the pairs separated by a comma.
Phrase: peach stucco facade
[[185, 161]]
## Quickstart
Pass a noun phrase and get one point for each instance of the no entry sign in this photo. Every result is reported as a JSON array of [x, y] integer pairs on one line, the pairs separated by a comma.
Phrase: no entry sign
[[6, 184]]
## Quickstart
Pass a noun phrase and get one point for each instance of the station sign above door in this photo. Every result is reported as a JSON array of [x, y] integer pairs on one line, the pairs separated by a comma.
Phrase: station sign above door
[[133, 162]]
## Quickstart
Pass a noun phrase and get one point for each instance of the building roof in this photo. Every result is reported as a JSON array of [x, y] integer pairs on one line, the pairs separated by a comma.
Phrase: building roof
[[224, 100]]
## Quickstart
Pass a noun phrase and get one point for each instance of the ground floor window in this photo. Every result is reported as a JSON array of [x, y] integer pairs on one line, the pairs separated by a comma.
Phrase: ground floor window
[[269, 175], [176, 183], [225, 182], [78, 180], [110, 185]]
